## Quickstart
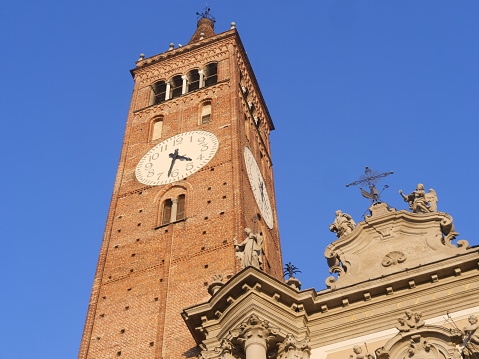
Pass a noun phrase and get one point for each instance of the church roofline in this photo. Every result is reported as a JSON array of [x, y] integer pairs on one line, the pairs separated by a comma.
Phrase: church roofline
[[315, 305]]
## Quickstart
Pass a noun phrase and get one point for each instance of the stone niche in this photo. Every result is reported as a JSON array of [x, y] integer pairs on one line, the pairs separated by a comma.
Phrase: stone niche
[[390, 241]]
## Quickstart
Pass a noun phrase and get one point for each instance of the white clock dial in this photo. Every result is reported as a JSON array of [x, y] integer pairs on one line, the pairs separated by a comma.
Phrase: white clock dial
[[176, 158], [259, 187]]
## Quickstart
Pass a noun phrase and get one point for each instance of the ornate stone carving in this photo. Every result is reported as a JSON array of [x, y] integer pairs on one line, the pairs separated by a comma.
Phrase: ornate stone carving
[[250, 250], [471, 338], [447, 229], [420, 201], [216, 284], [393, 258], [359, 354], [421, 348], [343, 224], [255, 337], [291, 348], [411, 320], [419, 341], [381, 353]]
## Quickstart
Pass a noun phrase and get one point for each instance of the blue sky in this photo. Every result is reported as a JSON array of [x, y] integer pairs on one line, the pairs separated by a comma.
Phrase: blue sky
[[392, 85]]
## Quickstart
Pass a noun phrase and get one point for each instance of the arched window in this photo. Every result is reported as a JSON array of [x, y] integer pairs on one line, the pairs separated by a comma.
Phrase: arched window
[[159, 92], [166, 211], [193, 80], [180, 213], [211, 74], [173, 210], [205, 115], [155, 128], [176, 86]]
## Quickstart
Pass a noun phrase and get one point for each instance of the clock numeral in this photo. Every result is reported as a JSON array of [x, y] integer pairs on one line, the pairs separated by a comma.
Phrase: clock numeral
[[159, 175], [154, 156], [177, 141], [200, 157], [204, 147], [163, 148], [189, 166], [148, 165], [150, 173], [174, 173], [201, 139]]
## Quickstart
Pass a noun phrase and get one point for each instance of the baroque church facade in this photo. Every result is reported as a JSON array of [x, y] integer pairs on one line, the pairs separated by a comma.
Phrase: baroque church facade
[[191, 266]]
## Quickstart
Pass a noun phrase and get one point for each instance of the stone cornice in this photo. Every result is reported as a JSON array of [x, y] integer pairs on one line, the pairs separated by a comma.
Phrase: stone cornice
[[370, 302]]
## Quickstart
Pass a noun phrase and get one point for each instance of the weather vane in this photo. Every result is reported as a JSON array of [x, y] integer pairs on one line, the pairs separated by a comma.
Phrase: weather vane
[[370, 178], [205, 14], [290, 270]]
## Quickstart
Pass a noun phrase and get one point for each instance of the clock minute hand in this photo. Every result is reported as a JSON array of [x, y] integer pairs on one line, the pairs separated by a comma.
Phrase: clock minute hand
[[173, 157]]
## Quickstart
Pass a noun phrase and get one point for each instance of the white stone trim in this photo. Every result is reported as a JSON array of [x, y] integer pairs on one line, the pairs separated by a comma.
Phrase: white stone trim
[[323, 352]]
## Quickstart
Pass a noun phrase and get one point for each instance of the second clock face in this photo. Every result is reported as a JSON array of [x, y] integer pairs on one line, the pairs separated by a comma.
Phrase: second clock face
[[176, 157], [259, 187]]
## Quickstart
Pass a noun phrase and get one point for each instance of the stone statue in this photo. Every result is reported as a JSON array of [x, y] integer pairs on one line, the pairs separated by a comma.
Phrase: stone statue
[[420, 201], [343, 224], [470, 332], [418, 321], [410, 320], [359, 354], [250, 250], [402, 327]]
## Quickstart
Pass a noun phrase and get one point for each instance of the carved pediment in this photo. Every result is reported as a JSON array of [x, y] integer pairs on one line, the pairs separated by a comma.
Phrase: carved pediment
[[391, 241], [428, 342]]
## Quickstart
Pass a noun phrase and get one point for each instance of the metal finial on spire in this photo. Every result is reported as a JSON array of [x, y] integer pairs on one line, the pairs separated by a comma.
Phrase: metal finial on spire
[[290, 270], [371, 177], [205, 14]]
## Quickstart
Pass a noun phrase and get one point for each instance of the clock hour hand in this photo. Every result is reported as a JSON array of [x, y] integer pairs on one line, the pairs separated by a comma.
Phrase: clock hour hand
[[183, 158], [261, 188]]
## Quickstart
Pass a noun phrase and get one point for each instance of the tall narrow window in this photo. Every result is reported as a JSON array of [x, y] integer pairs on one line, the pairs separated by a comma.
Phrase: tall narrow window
[[211, 74], [159, 91], [193, 80], [156, 127], [180, 213], [166, 215], [176, 86], [205, 112]]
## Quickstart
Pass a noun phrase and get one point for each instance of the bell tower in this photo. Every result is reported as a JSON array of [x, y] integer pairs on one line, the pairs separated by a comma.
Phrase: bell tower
[[195, 170]]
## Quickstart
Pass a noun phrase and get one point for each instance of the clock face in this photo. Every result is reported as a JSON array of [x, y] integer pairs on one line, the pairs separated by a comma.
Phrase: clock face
[[259, 187], [176, 158]]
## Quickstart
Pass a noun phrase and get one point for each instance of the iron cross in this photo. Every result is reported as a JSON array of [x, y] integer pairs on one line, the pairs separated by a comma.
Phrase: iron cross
[[370, 178]]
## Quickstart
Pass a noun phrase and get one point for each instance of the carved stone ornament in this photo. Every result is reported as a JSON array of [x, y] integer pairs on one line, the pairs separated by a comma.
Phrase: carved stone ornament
[[358, 354], [381, 243], [419, 341], [255, 337], [250, 250], [471, 339], [410, 321], [420, 201], [216, 284], [343, 224], [393, 258], [291, 348]]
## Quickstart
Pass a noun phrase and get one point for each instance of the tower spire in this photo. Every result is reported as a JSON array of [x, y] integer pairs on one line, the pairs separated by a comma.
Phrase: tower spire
[[204, 27]]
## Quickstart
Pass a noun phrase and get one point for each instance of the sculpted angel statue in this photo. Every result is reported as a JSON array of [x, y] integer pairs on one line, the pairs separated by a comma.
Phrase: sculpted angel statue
[[343, 224], [470, 332], [249, 251], [420, 201]]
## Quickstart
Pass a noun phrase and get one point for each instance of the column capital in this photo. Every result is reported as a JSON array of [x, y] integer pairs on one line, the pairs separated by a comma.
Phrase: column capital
[[255, 332]]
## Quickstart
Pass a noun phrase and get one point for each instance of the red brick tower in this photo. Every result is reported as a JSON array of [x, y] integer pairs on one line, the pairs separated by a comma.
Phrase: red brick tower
[[182, 194]]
